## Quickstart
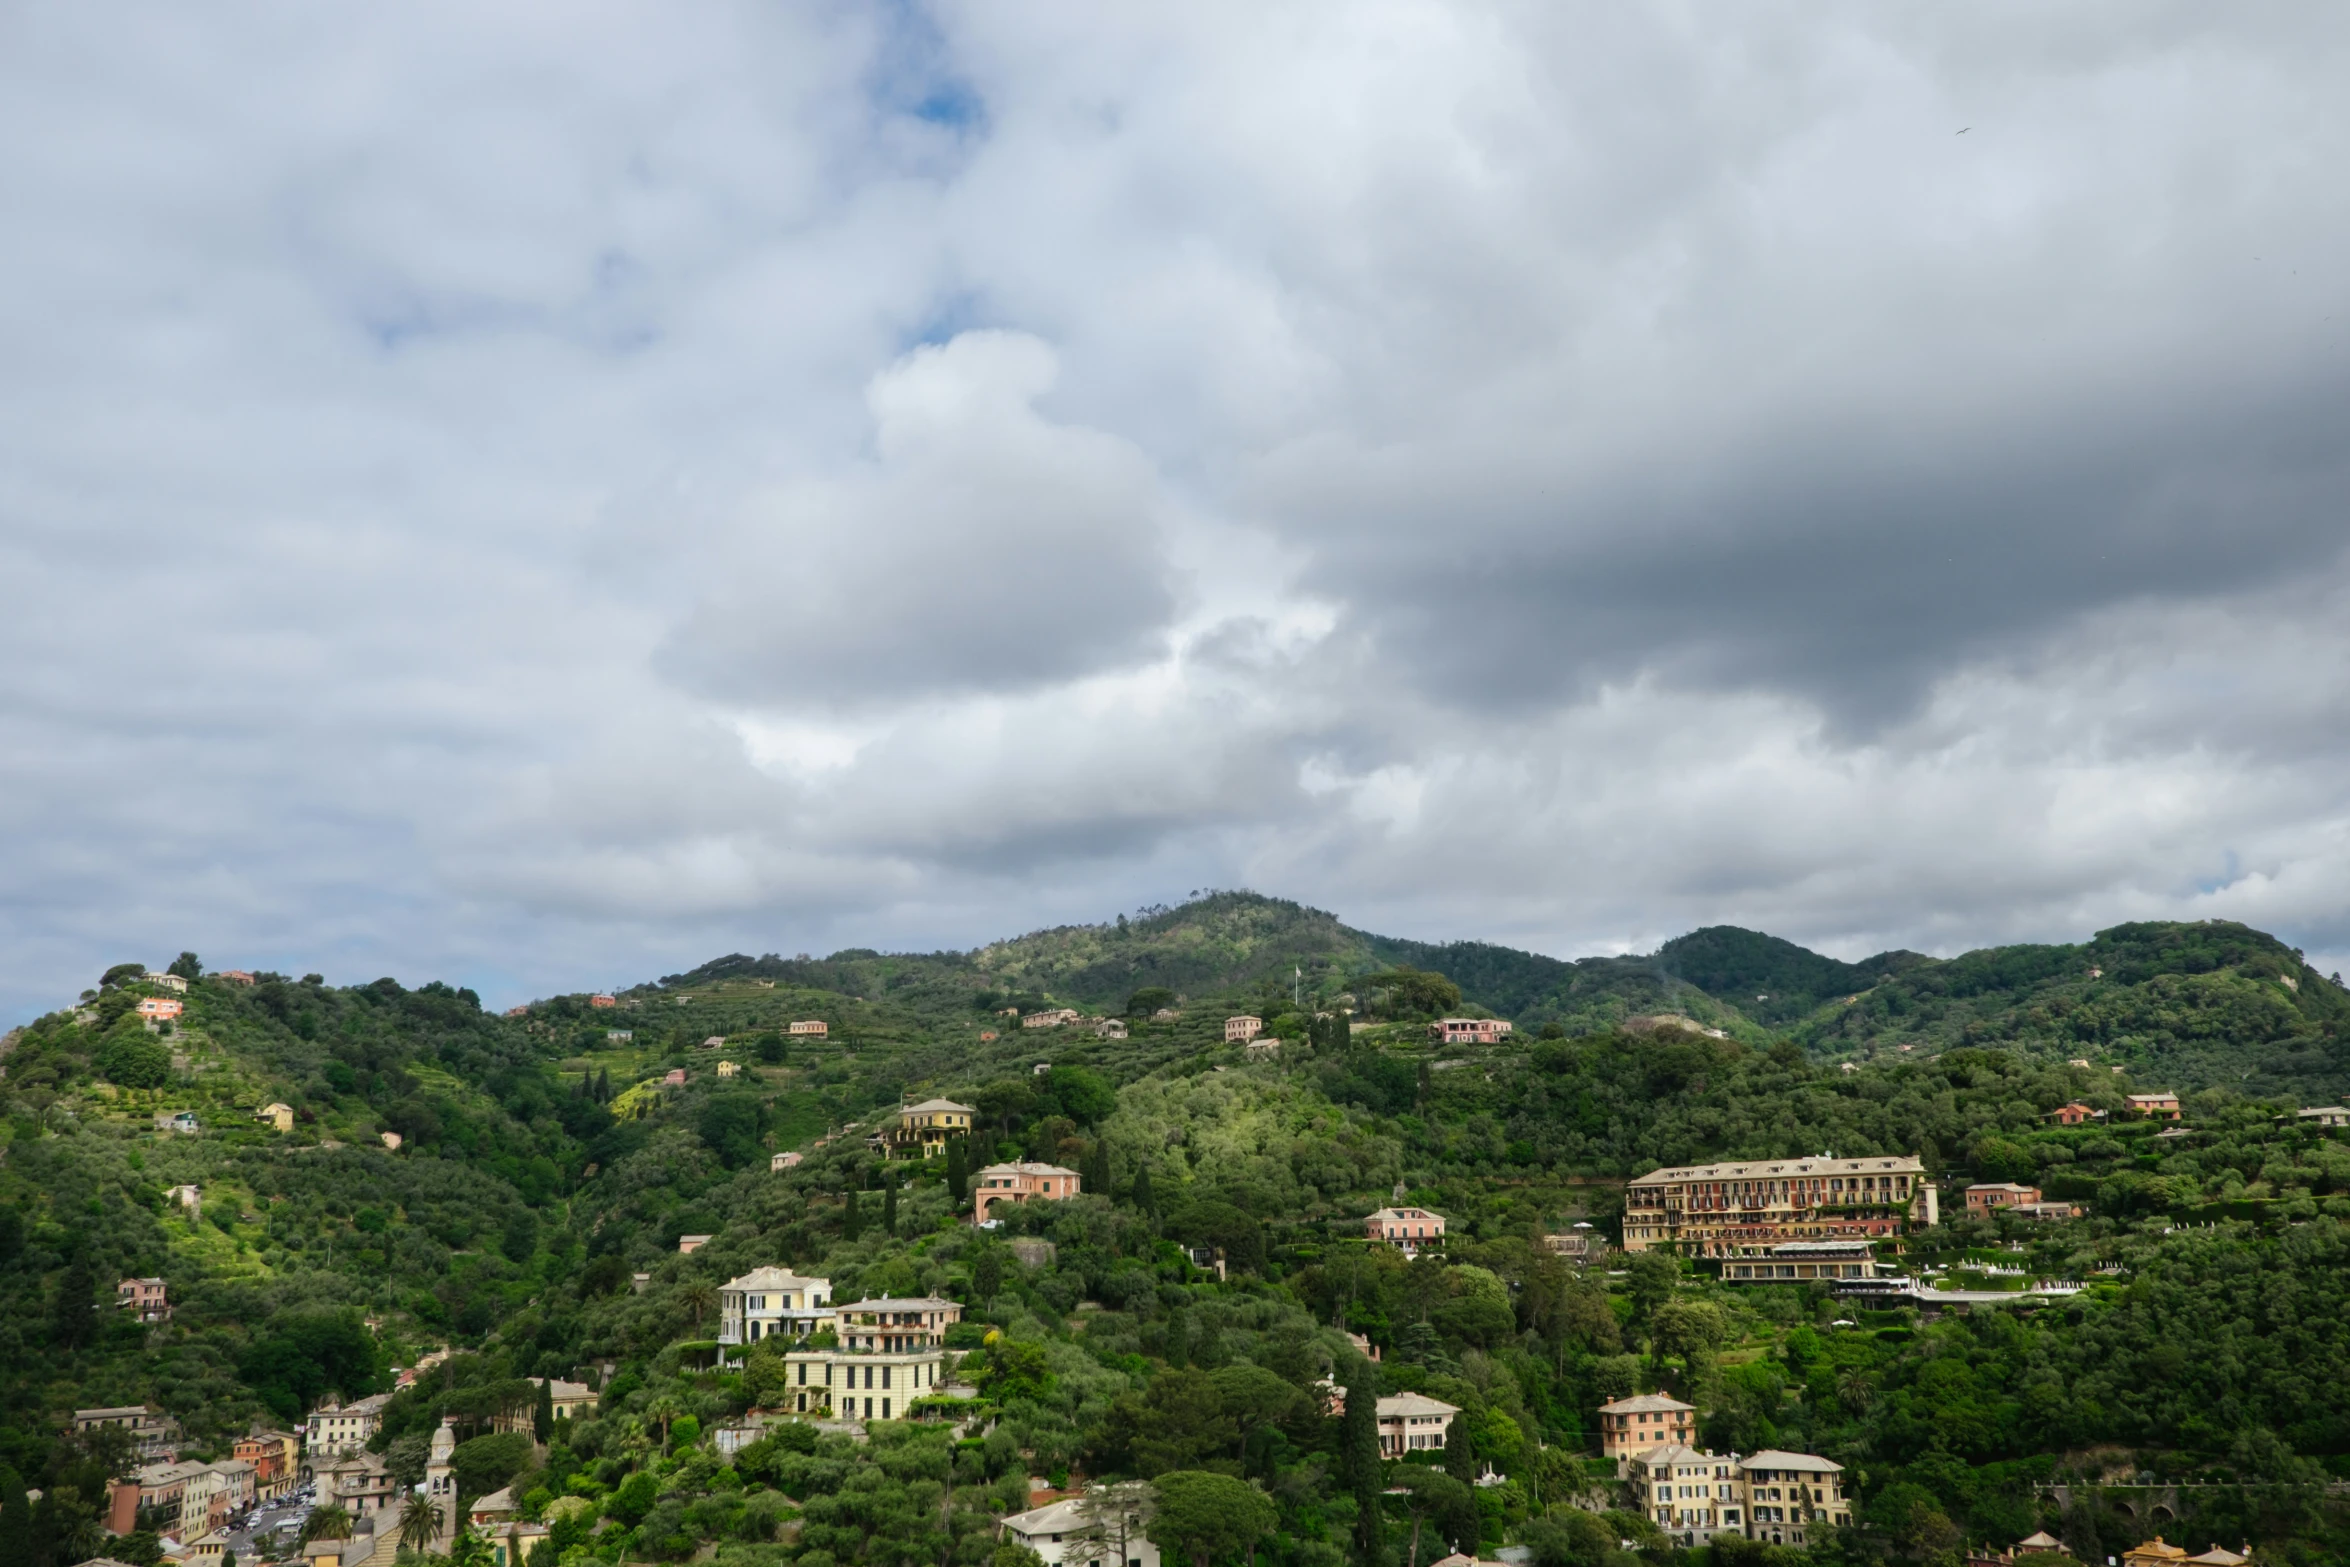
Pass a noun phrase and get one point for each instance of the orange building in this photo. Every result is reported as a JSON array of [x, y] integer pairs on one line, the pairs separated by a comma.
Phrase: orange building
[[153, 1008], [1001, 1183], [1408, 1228], [1631, 1426], [1985, 1196]]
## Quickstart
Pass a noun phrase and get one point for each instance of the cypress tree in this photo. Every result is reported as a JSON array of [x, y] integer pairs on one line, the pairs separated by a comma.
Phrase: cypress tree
[[1358, 1454], [1460, 1451], [889, 1209], [958, 1170], [1143, 1198], [542, 1418], [16, 1521], [852, 1223], [74, 1323], [1178, 1340]]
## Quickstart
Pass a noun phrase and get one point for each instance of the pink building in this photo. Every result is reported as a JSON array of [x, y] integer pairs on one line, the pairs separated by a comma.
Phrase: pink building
[[145, 1298], [1000, 1183], [675, 1077], [1240, 1030], [1409, 1228], [1984, 1196], [155, 1007], [235, 976], [1469, 1030], [602, 1001]]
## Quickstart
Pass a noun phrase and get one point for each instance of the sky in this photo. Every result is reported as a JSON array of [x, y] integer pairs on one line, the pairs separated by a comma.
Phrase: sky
[[541, 495]]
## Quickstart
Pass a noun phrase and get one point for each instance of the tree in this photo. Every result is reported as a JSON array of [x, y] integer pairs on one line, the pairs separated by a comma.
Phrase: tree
[[542, 1414], [1358, 1458], [16, 1521], [420, 1525], [852, 1223], [1208, 1517], [186, 966], [1148, 1000], [698, 1297], [1116, 1515], [987, 1273], [889, 1209], [73, 1320], [1432, 1492], [958, 1170], [1460, 1450], [730, 1125], [1144, 1200], [327, 1521]]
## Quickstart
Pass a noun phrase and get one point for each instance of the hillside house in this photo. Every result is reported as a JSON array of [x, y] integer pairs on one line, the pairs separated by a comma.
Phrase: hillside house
[[1165, 1015], [183, 1122], [2325, 1115], [1264, 1049], [674, 1077], [856, 1384], [156, 1434], [1989, 1196], [1021, 1182], [1409, 1229], [687, 1245], [728, 1069], [189, 1196], [922, 1131], [145, 1299], [158, 1009], [766, 1302], [1110, 1027], [1579, 1244], [714, 1042], [785, 1161], [619, 1036], [335, 1428], [1469, 1030], [279, 1117], [1413, 1423], [1804, 1260], [892, 1326], [603, 1001], [1051, 1018], [1240, 1030], [235, 976], [2075, 1114], [1689, 1494], [811, 1028], [171, 982], [274, 1456], [1634, 1425], [1060, 1533], [2155, 1107]]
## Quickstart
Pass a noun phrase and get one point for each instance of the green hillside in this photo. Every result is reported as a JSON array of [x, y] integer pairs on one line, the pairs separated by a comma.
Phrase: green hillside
[[544, 1161]]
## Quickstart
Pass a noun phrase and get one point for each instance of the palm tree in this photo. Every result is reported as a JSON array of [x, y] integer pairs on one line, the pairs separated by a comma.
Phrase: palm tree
[[327, 1521], [663, 1409], [698, 1297], [420, 1525]]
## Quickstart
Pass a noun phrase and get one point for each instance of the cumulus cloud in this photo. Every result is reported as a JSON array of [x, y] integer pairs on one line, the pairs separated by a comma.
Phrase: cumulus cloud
[[983, 547], [539, 499]]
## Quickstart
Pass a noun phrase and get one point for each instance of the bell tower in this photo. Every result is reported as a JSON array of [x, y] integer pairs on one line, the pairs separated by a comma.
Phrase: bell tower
[[440, 1484]]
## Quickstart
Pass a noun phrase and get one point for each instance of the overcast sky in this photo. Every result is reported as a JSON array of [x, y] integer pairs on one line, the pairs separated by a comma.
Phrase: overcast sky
[[540, 495]]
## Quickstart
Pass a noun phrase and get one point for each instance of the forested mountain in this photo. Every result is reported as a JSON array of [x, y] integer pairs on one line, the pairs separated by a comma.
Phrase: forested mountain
[[545, 1159]]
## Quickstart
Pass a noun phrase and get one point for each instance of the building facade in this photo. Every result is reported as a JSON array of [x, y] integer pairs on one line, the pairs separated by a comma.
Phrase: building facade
[[1773, 1497], [892, 1326], [1800, 1261], [772, 1302], [1408, 1228], [1990, 1196], [156, 1434], [2155, 1107], [1745, 1209], [815, 1028], [923, 1131], [1413, 1423], [1062, 1534], [146, 1299], [1023, 1182], [1469, 1030], [1631, 1426], [334, 1429], [1240, 1030], [859, 1384]]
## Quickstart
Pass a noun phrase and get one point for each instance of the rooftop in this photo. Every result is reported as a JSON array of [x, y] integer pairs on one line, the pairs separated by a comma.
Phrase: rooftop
[[774, 1279], [1772, 1458], [1645, 1404], [938, 1104], [1025, 1167], [1904, 1164], [1414, 1404]]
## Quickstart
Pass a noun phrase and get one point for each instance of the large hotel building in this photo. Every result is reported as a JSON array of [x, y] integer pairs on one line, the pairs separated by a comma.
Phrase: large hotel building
[[1744, 1210]]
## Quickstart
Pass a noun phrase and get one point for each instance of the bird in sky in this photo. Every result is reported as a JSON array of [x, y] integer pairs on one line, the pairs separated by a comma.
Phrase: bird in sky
[[1962, 130]]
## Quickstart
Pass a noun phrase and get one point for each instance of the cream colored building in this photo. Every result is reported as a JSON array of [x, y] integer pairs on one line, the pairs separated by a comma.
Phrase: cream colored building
[[768, 1302], [892, 1325], [1774, 1497], [1060, 1533], [334, 1429], [1413, 1423], [1746, 1209], [923, 1131], [859, 1384]]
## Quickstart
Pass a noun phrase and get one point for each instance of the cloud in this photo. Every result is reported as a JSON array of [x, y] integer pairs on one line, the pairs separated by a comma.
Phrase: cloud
[[981, 548], [542, 499]]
